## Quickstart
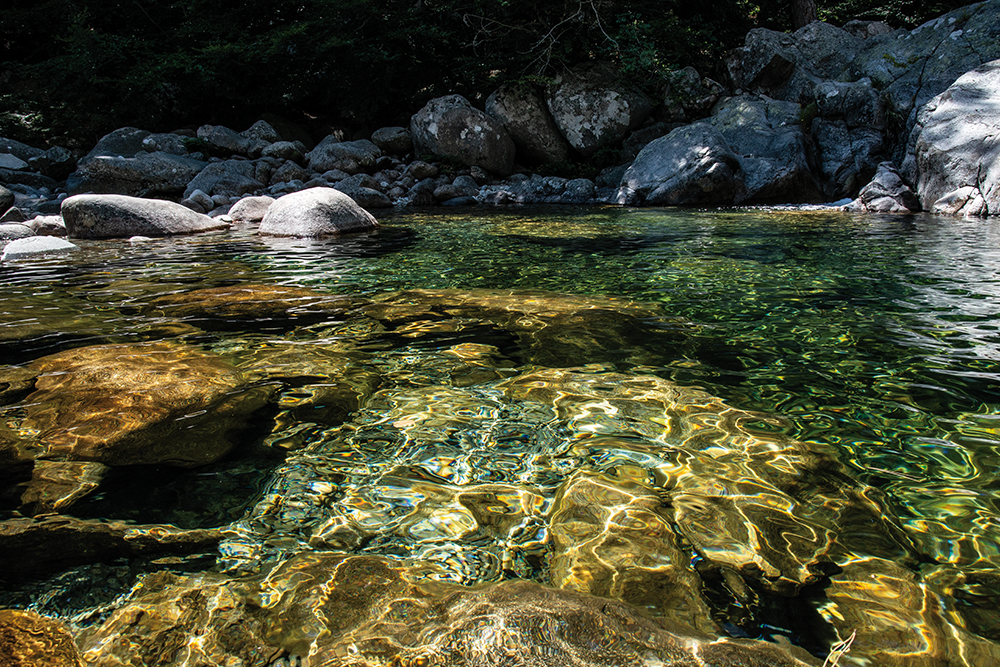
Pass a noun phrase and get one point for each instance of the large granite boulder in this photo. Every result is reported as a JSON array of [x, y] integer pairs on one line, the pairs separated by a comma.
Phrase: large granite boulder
[[691, 165], [451, 127], [911, 67], [229, 177], [956, 146], [143, 175], [118, 216], [523, 114], [153, 403], [751, 150], [123, 142], [331, 153], [594, 108], [315, 212]]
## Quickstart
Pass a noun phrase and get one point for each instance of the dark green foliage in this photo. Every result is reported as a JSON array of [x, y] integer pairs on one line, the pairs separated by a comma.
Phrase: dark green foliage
[[75, 69]]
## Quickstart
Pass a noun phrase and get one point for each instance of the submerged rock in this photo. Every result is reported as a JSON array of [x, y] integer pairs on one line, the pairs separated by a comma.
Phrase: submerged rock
[[341, 610], [30, 640], [56, 542], [246, 303], [139, 404]]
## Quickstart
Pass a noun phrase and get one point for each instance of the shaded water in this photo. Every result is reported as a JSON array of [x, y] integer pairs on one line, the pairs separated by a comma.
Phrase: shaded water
[[440, 433]]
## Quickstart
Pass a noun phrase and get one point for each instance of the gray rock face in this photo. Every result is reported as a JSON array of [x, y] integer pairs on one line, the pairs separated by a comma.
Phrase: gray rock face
[[847, 156], [117, 216], [451, 127], [36, 245], [250, 209], [332, 153], [691, 165], [393, 140], [229, 177], [593, 108], [140, 176], [788, 67], [523, 114], [887, 193], [956, 146], [752, 149], [910, 68], [316, 212]]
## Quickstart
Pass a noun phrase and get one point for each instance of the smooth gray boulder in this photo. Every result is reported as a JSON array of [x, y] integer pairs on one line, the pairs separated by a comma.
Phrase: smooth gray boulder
[[250, 209], [332, 154], [8, 161], [451, 127], [393, 140], [144, 175], [123, 142], [523, 113], [594, 108], [14, 230], [47, 225], [315, 212], [229, 177], [886, 193], [36, 245], [691, 165], [119, 216], [224, 139], [751, 150], [18, 149], [956, 146]]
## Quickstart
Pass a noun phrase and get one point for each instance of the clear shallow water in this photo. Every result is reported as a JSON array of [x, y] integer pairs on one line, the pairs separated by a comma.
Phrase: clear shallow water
[[872, 337]]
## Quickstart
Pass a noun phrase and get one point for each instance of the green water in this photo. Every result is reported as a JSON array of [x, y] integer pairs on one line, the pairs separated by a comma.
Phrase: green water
[[876, 336]]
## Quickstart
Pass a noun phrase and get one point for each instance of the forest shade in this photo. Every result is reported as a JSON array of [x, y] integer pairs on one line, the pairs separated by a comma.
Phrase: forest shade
[[72, 70]]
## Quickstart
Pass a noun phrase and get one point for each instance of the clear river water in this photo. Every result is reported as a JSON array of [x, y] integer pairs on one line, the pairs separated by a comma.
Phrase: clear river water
[[797, 413]]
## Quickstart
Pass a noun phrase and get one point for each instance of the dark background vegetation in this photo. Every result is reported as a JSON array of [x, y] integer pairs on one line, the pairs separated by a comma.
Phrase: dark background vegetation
[[72, 70]]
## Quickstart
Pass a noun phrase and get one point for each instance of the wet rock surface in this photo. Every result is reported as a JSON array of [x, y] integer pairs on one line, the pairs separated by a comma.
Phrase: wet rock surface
[[139, 404]]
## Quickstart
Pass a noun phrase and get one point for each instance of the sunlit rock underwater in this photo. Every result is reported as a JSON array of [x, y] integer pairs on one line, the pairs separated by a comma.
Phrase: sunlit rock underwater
[[339, 452]]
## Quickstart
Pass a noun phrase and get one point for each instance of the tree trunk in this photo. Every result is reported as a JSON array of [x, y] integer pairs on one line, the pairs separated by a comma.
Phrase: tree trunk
[[803, 13]]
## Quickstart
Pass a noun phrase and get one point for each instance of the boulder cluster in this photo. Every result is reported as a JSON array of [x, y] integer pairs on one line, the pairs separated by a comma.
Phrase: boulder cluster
[[806, 117]]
